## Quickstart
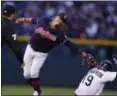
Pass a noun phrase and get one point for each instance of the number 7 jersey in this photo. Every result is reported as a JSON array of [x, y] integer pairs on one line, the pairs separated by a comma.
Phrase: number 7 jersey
[[94, 82]]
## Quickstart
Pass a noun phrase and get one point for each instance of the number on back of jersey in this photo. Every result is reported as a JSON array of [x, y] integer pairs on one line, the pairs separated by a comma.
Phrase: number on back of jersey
[[14, 36], [88, 80]]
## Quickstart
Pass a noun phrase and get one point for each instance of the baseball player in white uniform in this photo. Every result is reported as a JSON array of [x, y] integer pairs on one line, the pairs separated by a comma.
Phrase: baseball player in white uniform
[[94, 81]]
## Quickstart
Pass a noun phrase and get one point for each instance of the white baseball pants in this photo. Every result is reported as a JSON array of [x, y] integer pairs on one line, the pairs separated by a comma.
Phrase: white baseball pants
[[33, 62]]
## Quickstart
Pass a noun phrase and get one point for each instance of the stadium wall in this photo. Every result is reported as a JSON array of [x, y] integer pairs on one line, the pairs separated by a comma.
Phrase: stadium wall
[[60, 69]]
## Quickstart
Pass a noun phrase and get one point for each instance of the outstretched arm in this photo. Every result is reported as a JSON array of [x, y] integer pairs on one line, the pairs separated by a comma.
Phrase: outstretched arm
[[73, 47], [23, 20], [28, 20]]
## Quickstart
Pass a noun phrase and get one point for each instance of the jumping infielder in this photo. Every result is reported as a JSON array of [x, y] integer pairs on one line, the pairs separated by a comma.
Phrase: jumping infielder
[[47, 36], [97, 77]]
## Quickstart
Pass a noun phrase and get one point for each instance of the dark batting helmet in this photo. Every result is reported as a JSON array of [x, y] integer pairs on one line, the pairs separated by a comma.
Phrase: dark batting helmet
[[63, 17], [106, 65]]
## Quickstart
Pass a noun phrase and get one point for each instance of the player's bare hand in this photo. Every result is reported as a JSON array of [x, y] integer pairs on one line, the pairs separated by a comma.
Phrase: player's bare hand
[[22, 65], [84, 54], [20, 20]]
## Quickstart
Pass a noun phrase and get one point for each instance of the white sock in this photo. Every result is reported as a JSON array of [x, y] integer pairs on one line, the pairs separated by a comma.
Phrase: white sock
[[35, 93]]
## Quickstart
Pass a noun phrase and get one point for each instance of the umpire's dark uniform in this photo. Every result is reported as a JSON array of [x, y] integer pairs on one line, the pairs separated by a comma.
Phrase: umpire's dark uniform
[[8, 34]]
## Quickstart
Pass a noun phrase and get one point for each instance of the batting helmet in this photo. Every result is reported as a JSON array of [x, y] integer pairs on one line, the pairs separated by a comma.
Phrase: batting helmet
[[106, 65], [63, 17]]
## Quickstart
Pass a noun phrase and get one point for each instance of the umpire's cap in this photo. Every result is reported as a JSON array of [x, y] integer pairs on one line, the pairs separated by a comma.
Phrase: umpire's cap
[[63, 17], [106, 65], [8, 10]]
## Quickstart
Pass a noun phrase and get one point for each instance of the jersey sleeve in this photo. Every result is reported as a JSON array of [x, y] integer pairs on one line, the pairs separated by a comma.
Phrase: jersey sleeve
[[65, 40], [109, 76], [37, 20]]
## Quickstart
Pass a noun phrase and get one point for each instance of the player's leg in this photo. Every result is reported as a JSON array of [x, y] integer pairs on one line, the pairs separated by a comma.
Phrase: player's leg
[[37, 64], [28, 57]]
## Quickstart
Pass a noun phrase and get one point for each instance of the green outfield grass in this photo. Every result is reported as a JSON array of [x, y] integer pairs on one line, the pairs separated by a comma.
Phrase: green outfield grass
[[26, 90]]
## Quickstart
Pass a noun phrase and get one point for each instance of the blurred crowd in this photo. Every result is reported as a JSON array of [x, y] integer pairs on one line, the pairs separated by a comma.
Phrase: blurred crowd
[[87, 19], [92, 19]]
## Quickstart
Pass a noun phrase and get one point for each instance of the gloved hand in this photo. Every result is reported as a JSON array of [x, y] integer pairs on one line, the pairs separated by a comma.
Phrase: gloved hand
[[88, 60]]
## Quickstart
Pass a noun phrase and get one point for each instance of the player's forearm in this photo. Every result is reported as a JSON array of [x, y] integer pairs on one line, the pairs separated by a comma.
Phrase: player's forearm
[[23, 20], [27, 20], [72, 47], [31, 20]]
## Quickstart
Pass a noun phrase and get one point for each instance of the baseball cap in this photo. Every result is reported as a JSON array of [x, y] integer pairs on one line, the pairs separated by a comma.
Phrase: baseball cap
[[63, 17], [8, 9]]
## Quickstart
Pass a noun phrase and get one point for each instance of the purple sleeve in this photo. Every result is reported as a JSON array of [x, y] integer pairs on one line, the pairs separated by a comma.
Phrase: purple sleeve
[[39, 21], [35, 21], [64, 39]]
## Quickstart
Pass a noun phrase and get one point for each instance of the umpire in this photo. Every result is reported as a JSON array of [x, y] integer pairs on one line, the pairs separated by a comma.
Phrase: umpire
[[8, 34]]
